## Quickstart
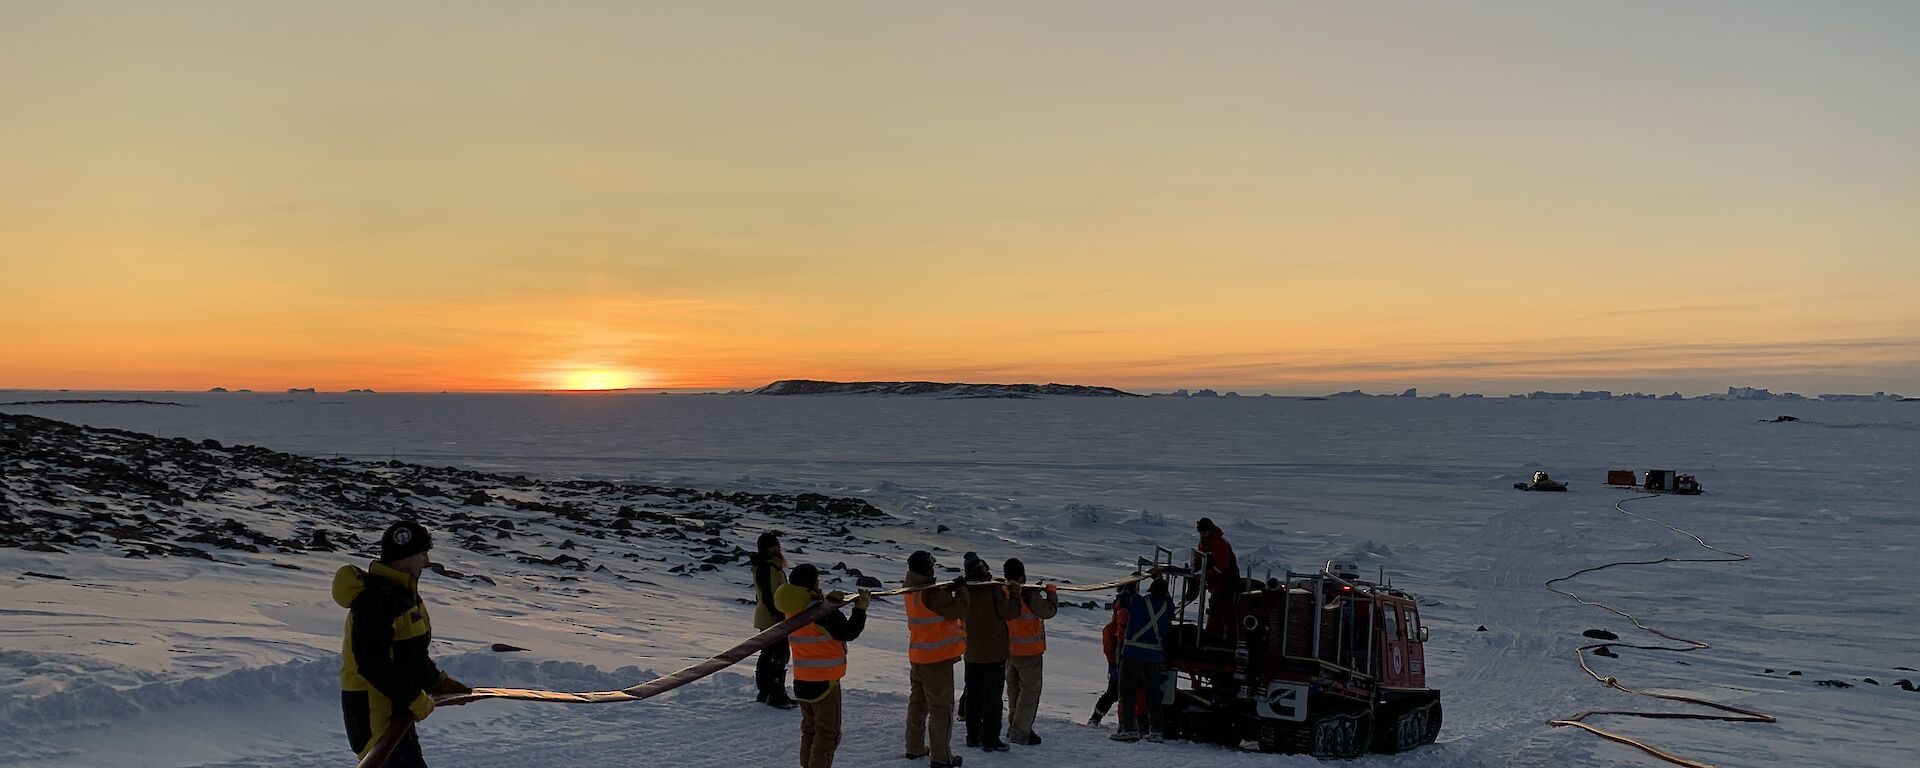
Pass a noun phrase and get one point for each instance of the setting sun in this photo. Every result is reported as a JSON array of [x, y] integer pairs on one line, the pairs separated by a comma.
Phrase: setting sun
[[598, 379]]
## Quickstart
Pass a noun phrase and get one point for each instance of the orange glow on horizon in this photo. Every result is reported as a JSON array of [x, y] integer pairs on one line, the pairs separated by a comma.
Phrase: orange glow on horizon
[[1524, 202], [598, 379]]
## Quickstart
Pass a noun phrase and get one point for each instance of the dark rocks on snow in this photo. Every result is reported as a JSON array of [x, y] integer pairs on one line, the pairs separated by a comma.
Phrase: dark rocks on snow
[[504, 648], [1869, 681], [1905, 685], [39, 575], [65, 487], [1482, 628], [1606, 651], [1600, 634], [1795, 673], [1834, 684], [941, 529], [868, 582]]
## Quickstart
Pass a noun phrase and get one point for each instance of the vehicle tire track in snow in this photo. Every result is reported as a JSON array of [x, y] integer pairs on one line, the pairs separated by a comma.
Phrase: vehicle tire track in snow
[[1495, 692]]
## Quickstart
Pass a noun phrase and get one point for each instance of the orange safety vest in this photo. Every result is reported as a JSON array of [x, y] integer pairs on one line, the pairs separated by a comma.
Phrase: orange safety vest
[[932, 638], [817, 657], [1027, 635]]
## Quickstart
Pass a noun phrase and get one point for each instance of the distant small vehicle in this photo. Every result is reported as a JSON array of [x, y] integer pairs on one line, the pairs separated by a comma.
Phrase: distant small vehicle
[[1541, 482], [1656, 481]]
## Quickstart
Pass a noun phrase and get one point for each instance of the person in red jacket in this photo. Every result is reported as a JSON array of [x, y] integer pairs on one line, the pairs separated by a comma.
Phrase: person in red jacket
[[1222, 578], [1111, 637]]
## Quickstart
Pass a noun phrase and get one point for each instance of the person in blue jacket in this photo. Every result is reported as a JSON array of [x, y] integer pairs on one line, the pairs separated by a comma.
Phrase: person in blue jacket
[[1149, 619]]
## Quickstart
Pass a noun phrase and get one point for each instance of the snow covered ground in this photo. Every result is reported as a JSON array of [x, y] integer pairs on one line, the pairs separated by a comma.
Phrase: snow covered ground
[[185, 661]]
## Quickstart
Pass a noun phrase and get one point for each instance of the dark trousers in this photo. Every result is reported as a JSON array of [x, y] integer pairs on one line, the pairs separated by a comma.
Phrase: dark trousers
[[770, 671], [1111, 695], [1221, 622], [354, 706], [986, 686], [1142, 676]]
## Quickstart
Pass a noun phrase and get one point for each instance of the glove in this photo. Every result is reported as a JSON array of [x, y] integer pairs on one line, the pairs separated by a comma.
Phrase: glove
[[421, 707], [1053, 591], [860, 603], [836, 597], [449, 687]]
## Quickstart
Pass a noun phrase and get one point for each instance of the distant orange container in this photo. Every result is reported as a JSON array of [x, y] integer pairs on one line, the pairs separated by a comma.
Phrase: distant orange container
[[1620, 477]]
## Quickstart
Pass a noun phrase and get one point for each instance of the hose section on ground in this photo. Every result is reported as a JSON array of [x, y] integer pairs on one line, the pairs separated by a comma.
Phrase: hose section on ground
[[1734, 714]]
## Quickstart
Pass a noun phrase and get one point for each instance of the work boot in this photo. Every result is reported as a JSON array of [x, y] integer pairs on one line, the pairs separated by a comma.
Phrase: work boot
[[954, 764], [780, 700], [912, 756], [1033, 740], [1095, 720], [1124, 735], [996, 746], [1155, 737]]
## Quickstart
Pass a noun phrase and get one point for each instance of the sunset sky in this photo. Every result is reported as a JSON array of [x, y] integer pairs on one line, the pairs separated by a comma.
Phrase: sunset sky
[[1261, 196]]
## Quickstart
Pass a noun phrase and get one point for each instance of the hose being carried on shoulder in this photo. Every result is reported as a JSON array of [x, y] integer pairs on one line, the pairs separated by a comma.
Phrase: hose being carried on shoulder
[[1734, 714], [382, 749]]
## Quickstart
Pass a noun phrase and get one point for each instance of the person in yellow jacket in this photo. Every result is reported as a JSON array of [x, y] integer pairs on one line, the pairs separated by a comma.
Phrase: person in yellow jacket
[[935, 641], [819, 660], [386, 678], [1026, 641], [770, 671]]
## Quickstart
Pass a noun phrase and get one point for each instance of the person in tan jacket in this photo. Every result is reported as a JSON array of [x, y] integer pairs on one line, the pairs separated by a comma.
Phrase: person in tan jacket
[[989, 607], [1026, 642]]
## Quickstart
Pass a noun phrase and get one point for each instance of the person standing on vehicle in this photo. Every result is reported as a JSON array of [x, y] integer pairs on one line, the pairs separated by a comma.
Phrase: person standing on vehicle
[[819, 660], [1026, 644], [1149, 619], [769, 574], [1222, 578]]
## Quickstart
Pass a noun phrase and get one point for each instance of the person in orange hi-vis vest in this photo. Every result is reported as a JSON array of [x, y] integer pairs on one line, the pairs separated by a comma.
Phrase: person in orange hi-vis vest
[[1026, 642], [819, 661], [936, 640]]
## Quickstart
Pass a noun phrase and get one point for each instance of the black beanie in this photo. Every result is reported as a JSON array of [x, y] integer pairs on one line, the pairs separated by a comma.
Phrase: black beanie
[[920, 562], [1205, 525], [1157, 587], [804, 576], [1014, 570], [404, 539], [768, 541]]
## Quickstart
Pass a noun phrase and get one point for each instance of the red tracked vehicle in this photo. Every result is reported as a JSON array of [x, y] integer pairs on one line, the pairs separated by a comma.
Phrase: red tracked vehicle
[[1324, 664]]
